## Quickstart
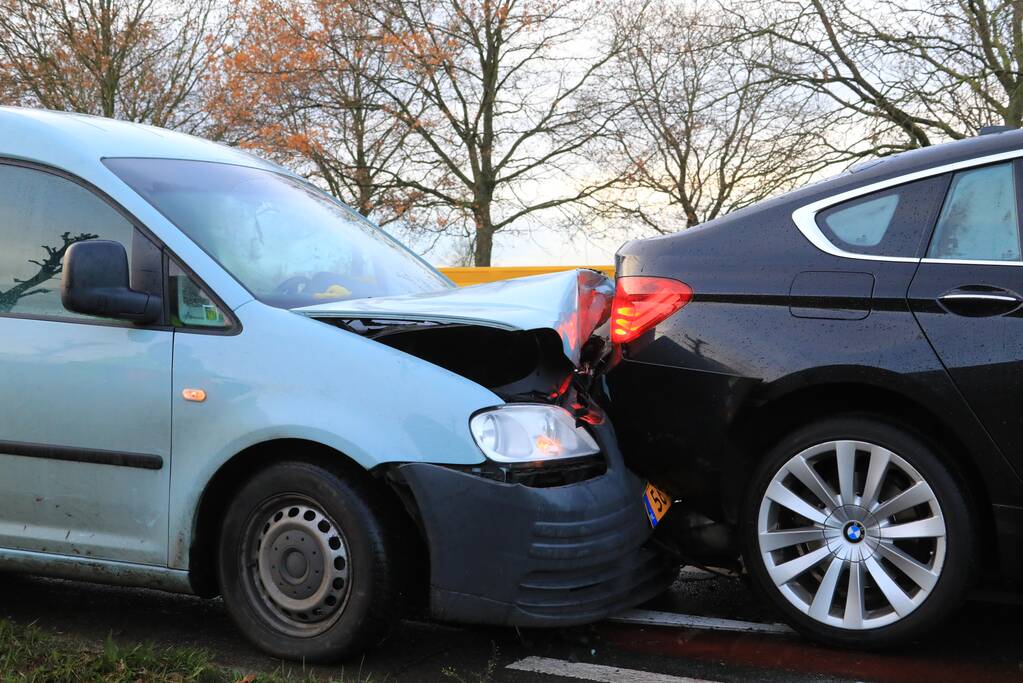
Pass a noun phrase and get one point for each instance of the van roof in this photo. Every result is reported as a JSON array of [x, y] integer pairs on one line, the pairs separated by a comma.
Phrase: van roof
[[66, 140]]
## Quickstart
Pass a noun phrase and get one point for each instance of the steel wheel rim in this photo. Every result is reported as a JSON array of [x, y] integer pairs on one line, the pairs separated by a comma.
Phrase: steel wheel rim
[[851, 535], [297, 564]]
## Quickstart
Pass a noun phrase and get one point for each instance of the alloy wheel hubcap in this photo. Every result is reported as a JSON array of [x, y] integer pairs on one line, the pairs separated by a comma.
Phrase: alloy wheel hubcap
[[301, 569], [851, 534]]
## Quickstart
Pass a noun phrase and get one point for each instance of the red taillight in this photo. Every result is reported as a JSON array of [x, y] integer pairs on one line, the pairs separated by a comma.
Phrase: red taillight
[[642, 302]]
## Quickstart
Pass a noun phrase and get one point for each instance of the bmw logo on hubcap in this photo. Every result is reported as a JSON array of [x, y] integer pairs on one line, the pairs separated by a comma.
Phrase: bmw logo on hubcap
[[854, 532]]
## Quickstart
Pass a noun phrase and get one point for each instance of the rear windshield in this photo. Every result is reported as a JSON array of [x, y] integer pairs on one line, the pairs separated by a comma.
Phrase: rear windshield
[[285, 241]]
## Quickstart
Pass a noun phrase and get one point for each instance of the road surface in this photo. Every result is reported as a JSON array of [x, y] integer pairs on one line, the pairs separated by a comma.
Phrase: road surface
[[716, 630]]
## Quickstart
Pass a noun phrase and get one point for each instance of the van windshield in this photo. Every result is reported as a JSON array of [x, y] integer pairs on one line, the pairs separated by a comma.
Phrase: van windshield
[[285, 241]]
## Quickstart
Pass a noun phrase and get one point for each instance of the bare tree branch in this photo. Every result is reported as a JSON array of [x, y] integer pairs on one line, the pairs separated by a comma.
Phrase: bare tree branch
[[705, 131], [136, 60]]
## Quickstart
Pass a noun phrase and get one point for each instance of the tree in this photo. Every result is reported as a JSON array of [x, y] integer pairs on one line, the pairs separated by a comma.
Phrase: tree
[[300, 86], [703, 132], [492, 92], [906, 74], [138, 60]]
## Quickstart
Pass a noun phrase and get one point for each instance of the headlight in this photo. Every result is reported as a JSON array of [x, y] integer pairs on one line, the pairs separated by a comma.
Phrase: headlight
[[526, 432]]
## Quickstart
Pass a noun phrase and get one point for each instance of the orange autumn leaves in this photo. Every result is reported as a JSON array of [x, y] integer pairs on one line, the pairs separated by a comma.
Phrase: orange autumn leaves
[[299, 85], [274, 64], [446, 116], [129, 59]]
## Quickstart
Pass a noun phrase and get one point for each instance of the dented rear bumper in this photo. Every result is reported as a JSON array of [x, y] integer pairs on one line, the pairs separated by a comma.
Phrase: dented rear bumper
[[515, 555]]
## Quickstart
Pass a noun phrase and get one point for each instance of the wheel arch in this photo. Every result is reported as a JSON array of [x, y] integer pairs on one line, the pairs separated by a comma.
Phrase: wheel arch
[[232, 474], [758, 429]]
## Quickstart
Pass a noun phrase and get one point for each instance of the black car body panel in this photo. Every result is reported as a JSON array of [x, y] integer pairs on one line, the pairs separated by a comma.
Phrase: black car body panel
[[780, 330]]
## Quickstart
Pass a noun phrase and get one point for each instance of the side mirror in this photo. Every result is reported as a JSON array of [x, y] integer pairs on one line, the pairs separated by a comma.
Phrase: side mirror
[[95, 282]]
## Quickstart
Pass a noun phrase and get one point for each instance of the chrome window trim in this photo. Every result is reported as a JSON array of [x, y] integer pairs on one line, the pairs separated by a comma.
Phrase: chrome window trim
[[805, 217], [971, 262]]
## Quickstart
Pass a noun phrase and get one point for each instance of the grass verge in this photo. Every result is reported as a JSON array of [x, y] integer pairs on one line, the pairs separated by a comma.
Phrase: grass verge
[[31, 655]]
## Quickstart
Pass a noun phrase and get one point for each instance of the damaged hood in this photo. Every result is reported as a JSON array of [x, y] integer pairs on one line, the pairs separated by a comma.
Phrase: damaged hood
[[573, 303]]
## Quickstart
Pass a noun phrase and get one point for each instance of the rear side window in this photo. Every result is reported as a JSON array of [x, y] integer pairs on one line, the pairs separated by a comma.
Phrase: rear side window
[[892, 222], [979, 220], [865, 223], [41, 215]]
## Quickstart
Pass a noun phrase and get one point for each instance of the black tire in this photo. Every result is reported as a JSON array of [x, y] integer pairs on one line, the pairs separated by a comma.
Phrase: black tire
[[951, 586], [365, 606]]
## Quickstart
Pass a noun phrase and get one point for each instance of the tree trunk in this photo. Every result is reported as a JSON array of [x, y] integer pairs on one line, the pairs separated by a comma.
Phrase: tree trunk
[[367, 188], [1013, 115], [484, 230], [484, 248], [484, 241]]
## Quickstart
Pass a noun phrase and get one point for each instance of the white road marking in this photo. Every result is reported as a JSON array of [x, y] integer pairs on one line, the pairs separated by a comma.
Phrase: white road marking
[[594, 672], [644, 617]]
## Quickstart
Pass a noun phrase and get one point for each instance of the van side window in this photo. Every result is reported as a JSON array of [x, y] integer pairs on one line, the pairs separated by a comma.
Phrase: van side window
[[979, 220], [891, 222], [190, 305], [41, 215]]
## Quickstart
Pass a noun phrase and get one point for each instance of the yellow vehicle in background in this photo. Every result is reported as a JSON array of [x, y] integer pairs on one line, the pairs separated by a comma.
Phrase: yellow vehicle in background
[[463, 277]]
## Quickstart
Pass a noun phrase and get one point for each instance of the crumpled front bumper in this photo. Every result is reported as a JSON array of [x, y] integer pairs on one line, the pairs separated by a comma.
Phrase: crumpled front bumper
[[514, 555]]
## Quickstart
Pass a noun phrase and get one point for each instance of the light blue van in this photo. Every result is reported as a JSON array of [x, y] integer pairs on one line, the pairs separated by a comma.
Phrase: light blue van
[[215, 379]]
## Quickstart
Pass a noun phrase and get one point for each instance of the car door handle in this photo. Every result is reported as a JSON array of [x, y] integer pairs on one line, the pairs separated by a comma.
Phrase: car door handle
[[979, 297], [980, 301]]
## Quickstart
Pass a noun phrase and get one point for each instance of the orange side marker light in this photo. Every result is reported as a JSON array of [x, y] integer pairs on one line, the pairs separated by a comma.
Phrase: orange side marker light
[[194, 395]]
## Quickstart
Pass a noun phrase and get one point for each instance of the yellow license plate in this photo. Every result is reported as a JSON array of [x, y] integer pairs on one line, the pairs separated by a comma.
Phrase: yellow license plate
[[657, 504]]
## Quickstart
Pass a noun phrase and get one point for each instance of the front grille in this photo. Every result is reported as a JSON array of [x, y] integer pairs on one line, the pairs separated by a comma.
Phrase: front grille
[[545, 474]]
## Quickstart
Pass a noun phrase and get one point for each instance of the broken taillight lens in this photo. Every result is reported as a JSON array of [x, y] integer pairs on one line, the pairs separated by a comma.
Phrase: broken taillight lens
[[641, 302]]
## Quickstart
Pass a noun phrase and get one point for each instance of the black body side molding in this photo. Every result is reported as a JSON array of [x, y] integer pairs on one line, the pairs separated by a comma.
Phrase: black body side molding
[[94, 456]]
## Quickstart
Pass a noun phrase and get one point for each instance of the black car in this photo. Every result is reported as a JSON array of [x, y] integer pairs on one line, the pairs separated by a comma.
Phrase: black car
[[830, 386]]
